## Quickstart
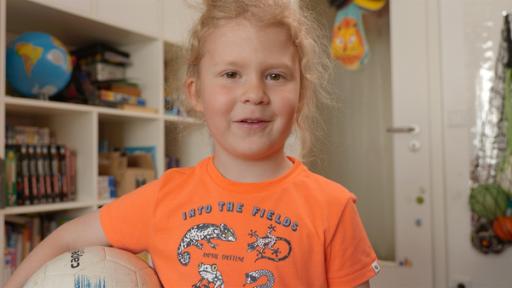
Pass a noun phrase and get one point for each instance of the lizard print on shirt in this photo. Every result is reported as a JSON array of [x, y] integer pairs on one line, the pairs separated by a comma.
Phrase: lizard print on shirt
[[265, 244], [254, 276], [206, 232]]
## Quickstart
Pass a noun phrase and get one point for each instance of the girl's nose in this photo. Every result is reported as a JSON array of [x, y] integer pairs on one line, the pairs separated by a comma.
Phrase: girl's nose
[[255, 93]]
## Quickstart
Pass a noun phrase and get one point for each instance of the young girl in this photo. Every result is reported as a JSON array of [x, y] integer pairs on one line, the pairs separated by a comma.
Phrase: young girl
[[248, 214]]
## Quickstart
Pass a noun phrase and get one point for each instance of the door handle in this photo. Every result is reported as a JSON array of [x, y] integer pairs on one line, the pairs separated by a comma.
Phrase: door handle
[[413, 129]]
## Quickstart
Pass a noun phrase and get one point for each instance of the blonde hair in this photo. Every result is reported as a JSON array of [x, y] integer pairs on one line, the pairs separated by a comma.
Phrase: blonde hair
[[308, 38]]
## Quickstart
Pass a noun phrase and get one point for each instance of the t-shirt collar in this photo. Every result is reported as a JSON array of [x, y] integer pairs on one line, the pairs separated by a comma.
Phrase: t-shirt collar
[[251, 187]]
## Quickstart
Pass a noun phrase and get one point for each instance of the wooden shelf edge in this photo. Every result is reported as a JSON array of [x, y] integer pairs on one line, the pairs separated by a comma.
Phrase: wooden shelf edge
[[106, 111], [105, 201], [73, 107], [30, 209], [36, 103], [181, 119]]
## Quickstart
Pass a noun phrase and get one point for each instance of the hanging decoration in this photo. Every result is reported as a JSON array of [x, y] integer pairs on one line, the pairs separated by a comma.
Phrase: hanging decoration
[[372, 5], [349, 45], [491, 175]]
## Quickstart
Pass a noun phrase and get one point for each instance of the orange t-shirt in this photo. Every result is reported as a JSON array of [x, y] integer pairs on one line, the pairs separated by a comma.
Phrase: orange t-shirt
[[202, 229]]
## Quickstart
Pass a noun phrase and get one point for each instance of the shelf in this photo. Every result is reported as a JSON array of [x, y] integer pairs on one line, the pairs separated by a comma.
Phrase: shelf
[[103, 202], [113, 113], [30, 209], [36, 106], [75, 31], [181, 119], [80, 126], [72, 125]]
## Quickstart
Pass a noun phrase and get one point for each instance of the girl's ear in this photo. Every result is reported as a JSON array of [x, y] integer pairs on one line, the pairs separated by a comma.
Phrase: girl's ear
[[192, 95]]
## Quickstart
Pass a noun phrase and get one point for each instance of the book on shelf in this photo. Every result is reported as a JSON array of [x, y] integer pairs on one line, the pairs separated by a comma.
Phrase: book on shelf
[[10, 177], [117, 98], [172, 162], [101, 71], [39, 174], [172, 107], [137, 108], [106, 187], [123, 86], [27, 135], [99, 78], [23, 233], [101, 52]]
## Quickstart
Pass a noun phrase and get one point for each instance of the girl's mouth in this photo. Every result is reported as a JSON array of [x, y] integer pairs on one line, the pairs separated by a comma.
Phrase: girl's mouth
[[253, 123]]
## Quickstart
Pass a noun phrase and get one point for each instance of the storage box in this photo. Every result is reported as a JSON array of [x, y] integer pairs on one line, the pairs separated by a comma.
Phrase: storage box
[[112, 163], [130, 171]]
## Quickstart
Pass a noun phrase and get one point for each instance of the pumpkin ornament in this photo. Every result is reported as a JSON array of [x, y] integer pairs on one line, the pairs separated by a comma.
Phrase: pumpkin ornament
[[502, 225]]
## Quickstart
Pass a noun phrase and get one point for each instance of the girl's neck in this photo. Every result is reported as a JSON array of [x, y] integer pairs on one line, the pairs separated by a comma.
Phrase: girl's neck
[[248, 170]]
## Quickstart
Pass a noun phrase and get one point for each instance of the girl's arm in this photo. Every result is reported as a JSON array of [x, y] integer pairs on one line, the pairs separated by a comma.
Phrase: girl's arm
[[364, 285], [79, 232]]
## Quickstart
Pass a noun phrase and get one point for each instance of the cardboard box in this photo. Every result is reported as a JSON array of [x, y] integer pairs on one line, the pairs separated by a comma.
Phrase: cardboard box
[[130, 171], [112, 163]]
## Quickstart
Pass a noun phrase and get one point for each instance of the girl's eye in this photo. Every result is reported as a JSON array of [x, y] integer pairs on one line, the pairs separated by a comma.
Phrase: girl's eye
[[231, 75], [274, 76]]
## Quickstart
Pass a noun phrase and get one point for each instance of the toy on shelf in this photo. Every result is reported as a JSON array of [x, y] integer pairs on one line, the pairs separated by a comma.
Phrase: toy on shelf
[[38, 65]]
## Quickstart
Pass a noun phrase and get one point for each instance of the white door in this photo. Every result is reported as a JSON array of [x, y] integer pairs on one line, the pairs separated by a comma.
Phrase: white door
[[412, 63], [381, 140]]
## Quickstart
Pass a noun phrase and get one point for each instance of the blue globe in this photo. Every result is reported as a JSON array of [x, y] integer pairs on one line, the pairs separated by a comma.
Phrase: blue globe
[[38, 65]]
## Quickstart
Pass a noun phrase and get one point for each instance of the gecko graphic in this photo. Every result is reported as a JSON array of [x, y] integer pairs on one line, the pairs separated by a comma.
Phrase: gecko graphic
[[206, 232], [267, 243], [254, 276]]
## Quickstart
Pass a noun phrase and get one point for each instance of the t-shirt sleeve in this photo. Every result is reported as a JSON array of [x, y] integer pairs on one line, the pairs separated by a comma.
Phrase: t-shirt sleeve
[[351, 259], [126, 221]]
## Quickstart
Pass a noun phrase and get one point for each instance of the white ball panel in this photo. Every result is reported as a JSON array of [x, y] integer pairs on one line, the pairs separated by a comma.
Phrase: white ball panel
[[94, 265]]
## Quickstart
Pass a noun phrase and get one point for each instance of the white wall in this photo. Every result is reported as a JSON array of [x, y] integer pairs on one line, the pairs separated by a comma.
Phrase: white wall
[[468, 27]]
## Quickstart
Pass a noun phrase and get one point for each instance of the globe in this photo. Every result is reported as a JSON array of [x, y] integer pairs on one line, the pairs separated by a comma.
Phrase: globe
[[38, 65]]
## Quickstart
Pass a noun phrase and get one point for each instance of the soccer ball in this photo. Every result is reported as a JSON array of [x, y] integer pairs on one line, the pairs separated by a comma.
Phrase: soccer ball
[[95, 267]]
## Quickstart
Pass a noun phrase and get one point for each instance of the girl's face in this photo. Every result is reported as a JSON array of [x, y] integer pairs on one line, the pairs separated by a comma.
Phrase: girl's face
[[248, 88]]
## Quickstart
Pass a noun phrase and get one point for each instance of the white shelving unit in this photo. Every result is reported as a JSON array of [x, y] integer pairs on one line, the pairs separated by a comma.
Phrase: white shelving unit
[[145, 29]]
